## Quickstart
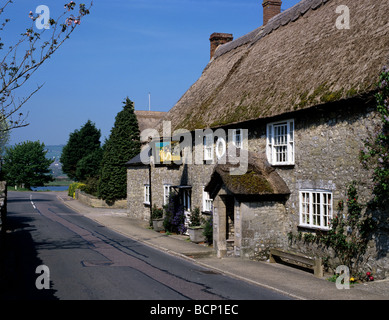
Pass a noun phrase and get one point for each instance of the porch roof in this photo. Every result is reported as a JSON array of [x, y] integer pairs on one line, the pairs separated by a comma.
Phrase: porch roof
[[259, 179]]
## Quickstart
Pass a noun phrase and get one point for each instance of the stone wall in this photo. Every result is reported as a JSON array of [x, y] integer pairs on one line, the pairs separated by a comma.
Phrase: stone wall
[[327, 146], [263, 225], [137, 178], [3, 205], [95, 202], [195, 176]]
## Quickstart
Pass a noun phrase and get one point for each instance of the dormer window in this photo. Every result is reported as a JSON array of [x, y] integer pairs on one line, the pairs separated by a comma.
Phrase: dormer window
[[280, 143]]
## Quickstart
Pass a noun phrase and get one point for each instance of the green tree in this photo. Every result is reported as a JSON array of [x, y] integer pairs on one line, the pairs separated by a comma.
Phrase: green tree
[[26, 164], [81, 143], [122, 145], [89, 166]]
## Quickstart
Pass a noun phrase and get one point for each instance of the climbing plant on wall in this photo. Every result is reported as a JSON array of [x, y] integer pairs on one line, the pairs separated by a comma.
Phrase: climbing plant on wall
[[375, 155]]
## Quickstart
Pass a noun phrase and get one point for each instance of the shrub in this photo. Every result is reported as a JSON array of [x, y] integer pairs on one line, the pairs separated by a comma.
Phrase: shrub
[[91, 185], [73, 187], [208, 230], [195, 218], [156, 213]]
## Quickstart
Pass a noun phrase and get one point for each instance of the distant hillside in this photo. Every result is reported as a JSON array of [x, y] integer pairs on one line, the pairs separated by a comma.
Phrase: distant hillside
[[54, 151]]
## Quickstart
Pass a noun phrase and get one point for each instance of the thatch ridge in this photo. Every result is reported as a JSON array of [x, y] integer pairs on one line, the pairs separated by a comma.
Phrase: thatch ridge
[[289, 15]]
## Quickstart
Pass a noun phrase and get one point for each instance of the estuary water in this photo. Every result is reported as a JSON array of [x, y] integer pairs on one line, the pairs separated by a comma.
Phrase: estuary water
[[51, 188]]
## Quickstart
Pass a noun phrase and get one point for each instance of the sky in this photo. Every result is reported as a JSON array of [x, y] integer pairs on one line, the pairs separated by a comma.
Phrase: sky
[[124, 48]]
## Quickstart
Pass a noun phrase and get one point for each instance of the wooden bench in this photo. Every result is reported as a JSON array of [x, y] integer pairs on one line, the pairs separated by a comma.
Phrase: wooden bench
[[298, 259]]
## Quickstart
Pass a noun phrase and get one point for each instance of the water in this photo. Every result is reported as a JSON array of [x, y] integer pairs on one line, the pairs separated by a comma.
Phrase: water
[[51, 188]]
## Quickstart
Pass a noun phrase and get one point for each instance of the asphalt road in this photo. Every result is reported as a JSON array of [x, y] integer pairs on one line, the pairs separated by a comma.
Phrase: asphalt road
[[87, 261]]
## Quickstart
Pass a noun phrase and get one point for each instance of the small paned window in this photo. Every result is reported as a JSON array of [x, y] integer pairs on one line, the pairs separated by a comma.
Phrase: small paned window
[[280, 143], [316, 209]]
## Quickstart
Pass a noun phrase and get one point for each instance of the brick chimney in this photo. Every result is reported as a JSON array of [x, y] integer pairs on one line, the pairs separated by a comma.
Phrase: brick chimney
[[218, 39], [270, 9]]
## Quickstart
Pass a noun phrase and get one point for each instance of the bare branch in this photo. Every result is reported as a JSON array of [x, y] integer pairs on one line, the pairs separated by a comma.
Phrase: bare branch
[[16, 69]]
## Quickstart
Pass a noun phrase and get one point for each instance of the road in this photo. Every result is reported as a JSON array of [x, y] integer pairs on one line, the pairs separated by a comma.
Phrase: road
[[87, 261]]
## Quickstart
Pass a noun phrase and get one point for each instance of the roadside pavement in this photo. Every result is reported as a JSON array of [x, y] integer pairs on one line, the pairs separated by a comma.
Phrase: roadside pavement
[[293, 282]]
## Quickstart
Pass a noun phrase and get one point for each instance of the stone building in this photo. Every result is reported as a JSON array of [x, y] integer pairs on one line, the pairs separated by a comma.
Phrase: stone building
[[295, 99]]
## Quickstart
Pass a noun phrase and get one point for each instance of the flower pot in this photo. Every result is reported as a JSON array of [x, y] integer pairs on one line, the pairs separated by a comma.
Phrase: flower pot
[[196, 234], [158, 224]]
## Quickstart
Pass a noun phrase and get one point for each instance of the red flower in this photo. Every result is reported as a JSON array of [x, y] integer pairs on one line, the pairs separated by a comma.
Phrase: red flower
[[368, 274]]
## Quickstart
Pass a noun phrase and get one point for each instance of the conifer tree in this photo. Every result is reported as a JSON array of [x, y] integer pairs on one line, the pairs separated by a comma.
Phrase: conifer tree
[[81, 143], [122, 145]]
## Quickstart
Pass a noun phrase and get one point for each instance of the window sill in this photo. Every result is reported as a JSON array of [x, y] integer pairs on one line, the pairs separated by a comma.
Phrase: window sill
[[286, 165], [147, 204], [303, 227]]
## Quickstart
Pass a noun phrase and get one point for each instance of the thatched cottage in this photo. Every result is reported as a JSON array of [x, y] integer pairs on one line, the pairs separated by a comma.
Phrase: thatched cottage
[[298, 94]]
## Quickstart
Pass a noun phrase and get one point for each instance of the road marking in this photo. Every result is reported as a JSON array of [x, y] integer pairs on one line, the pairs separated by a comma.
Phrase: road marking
[[32, 202]]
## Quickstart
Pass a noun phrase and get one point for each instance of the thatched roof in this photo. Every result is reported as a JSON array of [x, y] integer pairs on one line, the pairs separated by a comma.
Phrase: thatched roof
[[260, 179], [148, 119], [297, 61]]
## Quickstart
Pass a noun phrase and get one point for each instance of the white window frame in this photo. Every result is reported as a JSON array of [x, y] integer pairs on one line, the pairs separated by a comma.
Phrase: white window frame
[[147, 194], [166, 193], [316, 209], [187, 199], [280, 142], [208, 147], [207, 202], [237, 138], [187, 204]]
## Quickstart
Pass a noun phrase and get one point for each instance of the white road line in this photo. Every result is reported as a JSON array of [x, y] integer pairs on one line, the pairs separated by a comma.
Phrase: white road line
[[32, 202]]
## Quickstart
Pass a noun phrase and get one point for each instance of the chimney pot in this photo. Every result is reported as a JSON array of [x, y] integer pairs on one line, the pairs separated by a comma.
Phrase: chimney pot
[[270, 9], [218, 39]]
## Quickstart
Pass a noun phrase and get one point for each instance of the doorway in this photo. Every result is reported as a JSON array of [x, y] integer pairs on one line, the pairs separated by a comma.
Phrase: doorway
[[230, 225]]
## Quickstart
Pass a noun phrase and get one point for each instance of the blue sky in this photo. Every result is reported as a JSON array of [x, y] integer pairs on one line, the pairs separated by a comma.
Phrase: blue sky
[[123, 48]]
